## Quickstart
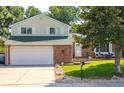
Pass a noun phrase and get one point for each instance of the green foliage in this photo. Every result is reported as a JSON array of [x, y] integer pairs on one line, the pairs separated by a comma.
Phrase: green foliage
[[18, 13], [101, 25], [31, 11], [66, 14], [9, 15]]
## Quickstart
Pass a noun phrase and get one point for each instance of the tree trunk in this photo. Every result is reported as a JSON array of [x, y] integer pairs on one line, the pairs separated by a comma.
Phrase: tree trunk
[[117, 60]]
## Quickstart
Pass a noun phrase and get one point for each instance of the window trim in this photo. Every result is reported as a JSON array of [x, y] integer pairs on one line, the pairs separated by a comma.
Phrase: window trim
[[53, 30], [26, 33], [28, 29], [22, 31]]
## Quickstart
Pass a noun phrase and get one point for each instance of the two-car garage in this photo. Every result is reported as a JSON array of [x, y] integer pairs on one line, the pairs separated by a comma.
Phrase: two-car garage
[[31, 55], [34, 50]]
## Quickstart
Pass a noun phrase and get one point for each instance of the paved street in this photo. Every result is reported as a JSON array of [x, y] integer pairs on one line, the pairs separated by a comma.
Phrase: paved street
[[12, 76], [112, 84], [106, 84]]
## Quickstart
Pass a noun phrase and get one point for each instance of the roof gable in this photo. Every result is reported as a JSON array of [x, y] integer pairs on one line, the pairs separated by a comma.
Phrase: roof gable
[[33, 17]]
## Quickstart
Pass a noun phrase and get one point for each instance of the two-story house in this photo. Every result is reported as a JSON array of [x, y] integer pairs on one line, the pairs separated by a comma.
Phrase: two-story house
[[39, 40]]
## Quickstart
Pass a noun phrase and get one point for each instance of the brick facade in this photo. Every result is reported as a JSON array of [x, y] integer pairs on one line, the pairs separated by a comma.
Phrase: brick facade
[[7, 55], [63, 53]]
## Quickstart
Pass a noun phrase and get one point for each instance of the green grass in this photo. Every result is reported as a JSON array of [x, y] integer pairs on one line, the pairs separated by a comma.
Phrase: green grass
[[96, 69]]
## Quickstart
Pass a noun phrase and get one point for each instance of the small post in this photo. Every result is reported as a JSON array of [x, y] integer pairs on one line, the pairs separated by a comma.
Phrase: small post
[[82, 63]]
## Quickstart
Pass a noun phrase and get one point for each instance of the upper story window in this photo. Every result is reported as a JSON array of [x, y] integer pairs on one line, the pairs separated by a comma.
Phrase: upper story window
[[23, 30], [52, 31], [26, 30], [29, 30]]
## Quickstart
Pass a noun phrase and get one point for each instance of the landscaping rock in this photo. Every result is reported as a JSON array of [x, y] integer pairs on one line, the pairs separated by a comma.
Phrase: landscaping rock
[[59, 72], [66, 79], [115, 77], [57, 65]]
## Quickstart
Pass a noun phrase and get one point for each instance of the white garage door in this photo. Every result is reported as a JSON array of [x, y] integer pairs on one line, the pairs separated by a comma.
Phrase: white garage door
[[29, 55]]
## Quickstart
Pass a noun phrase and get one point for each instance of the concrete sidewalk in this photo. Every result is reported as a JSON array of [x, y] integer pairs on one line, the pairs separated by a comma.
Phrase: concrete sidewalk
[[26, 75]]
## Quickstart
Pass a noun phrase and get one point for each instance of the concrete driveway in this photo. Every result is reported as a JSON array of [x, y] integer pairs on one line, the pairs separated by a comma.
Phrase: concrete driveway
[[12, 76]]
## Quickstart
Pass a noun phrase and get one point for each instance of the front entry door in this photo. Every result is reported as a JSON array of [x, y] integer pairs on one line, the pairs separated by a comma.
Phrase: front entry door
[[78, 49]]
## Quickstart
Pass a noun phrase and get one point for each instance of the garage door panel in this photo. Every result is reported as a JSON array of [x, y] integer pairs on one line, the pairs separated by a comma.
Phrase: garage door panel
[[31, 56]]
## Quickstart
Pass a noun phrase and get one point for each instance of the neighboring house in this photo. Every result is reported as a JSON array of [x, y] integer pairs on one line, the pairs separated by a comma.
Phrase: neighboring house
[[100, 51], [41, 40]]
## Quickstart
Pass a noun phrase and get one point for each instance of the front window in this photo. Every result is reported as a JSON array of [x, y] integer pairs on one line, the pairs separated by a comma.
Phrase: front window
[[25, 30], [29, 30], [52, 31], [103, 48]]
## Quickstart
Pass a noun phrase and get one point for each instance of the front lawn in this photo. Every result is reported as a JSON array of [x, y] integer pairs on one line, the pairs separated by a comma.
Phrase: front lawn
[[96, 69]]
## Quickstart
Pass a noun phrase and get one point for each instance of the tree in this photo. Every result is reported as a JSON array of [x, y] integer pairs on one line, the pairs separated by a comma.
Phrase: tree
[[17, 12], [66, 14], [9, 15], [31, 11], [102, 25]]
